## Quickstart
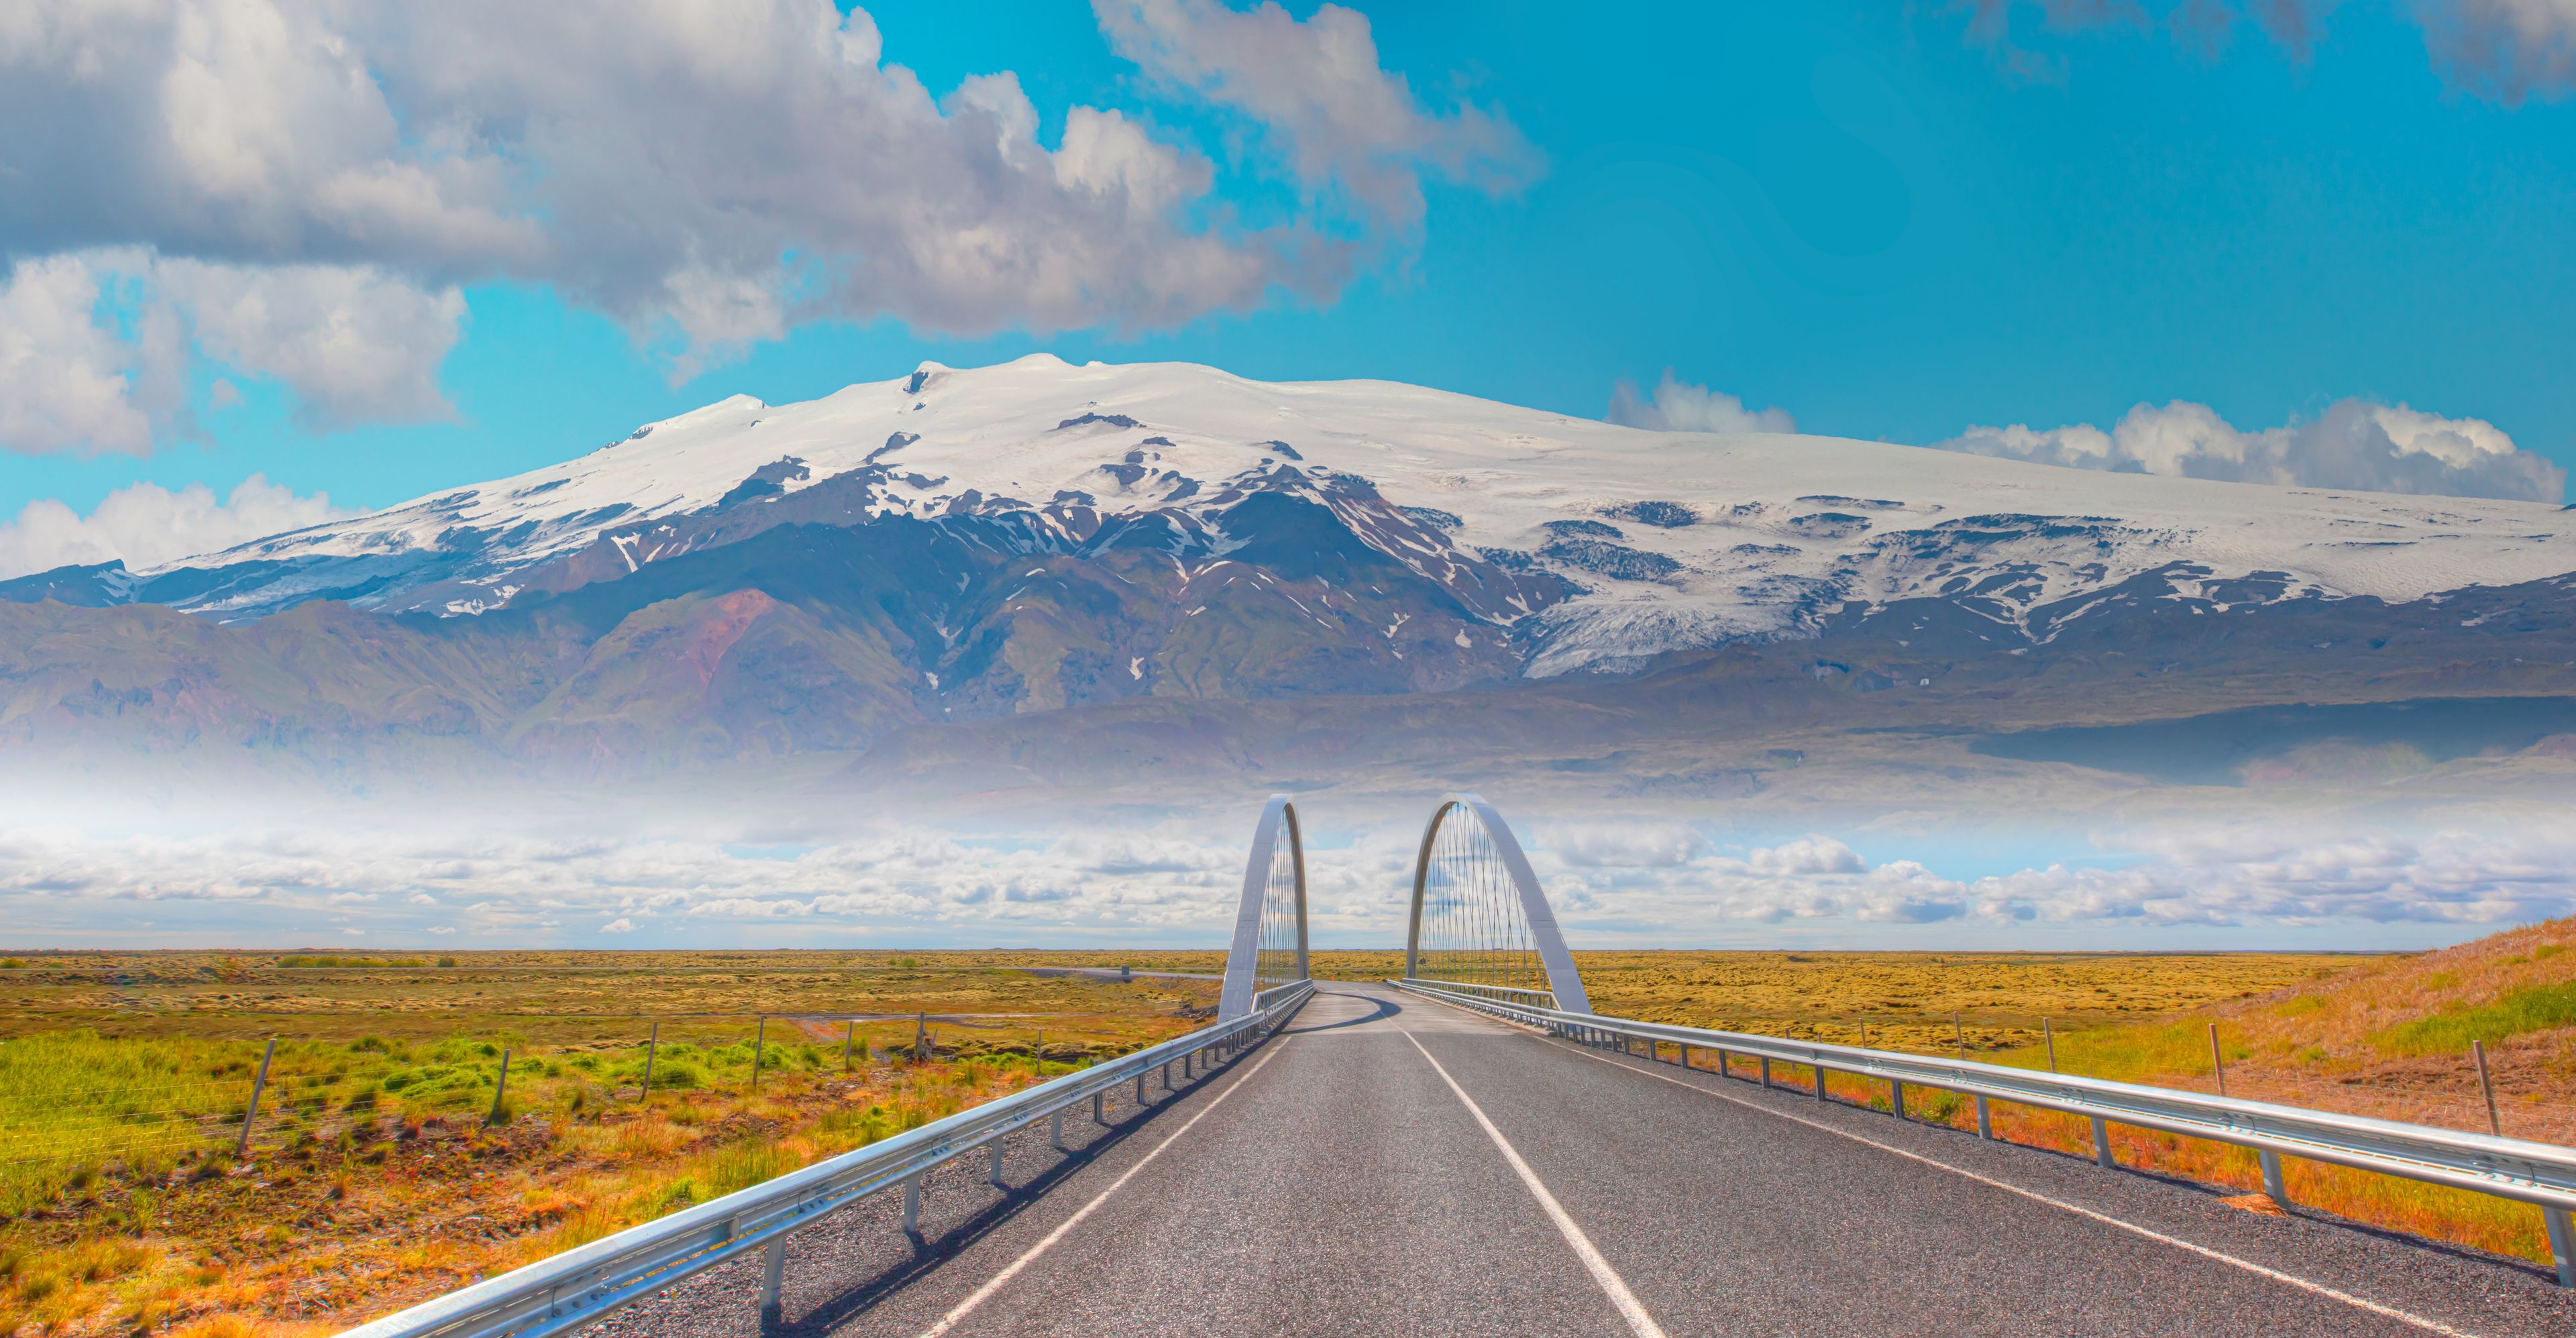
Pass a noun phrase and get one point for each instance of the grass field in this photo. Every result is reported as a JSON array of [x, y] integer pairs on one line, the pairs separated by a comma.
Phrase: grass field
[[377, 1175]]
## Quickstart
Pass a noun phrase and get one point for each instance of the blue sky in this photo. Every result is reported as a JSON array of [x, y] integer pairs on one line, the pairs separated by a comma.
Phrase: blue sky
[[1892, 221]]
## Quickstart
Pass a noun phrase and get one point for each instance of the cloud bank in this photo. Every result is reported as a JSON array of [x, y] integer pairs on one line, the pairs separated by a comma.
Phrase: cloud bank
[[1611, 883], [145, 524], [300, 191], [2354, 444]]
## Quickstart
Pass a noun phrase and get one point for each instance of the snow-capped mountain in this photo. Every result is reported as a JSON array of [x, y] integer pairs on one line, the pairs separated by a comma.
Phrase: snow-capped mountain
[[1578, 544]]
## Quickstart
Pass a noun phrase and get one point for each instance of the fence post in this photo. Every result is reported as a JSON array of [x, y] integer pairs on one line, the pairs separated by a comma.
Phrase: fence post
[[773, 1280], [2478, 1051], [759, 1044], [849, 1037], [2275, 1185], [2217, 1061], [2562, 1243], [258, 1083], [2102, 1144], [2049, 1036], [920, 1037], [500, 1090], [652, 1042], [1959, 1036]]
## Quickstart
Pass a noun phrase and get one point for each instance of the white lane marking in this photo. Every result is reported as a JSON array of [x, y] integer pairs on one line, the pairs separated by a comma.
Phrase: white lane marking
[[2291, 1279], [1639, 1322], [985, 1292]]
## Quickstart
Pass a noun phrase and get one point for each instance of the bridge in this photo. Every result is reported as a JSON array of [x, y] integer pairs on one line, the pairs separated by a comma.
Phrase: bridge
[[1471, 1150]]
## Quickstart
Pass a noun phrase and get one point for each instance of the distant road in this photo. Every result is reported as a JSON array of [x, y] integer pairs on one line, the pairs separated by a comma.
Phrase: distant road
[[1390, 1166]]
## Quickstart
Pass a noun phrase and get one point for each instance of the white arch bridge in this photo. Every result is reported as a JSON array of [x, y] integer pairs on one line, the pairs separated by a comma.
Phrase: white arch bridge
[[1471, 1149]]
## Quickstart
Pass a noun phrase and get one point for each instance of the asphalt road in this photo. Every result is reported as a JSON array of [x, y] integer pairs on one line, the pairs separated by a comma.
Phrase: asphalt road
[[1391, 1166]]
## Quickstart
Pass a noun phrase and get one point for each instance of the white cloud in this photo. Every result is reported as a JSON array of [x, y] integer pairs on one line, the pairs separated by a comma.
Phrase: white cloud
[[1340, 119], [2354, 444], [2505, 50], [312, 182], [356, 344], [67, 380], [1681, 407], [620, 925], [144, 524]]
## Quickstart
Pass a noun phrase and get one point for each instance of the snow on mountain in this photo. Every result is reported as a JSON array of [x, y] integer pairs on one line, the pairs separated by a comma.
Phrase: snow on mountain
[[1655, 541]]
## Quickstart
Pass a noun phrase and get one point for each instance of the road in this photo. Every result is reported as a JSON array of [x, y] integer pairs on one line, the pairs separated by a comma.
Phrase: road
[[1387, 1165]]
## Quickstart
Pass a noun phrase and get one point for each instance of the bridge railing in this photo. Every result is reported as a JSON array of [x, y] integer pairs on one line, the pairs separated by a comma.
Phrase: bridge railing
[[2540, 1174], [587, 1283]]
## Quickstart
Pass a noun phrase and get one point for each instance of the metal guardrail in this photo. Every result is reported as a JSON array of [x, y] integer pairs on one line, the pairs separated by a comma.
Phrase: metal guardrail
[[2541, 1174], [587, 1283]]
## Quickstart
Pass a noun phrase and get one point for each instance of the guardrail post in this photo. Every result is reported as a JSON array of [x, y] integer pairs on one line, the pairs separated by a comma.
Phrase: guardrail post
[[1766, 1072], [1098, 1106], [1140, 1089], [1167, 1075], [994, 1173], [912, 1206], [2102, 1144], [258, 1083], [773, 1279], [2562, 1243], [1985, 1120], [1686, 1056], [1820, 1081], [2273, 1184], [1055, 1129], [1896, 1098]]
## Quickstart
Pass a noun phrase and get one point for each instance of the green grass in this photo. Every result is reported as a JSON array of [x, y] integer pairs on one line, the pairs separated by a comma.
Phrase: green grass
[[2532, 1008]]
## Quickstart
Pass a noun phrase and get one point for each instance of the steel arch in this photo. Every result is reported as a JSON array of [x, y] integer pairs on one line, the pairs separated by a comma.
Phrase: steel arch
[[1505, 854], [1260, 882]]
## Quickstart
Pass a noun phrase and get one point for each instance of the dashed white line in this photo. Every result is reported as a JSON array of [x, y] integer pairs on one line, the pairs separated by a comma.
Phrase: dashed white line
[[2260, 1270], [985, 1292], [1630, 1308]]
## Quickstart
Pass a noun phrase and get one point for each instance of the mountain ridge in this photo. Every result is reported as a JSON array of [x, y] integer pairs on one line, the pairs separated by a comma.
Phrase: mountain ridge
[[1596, 546]]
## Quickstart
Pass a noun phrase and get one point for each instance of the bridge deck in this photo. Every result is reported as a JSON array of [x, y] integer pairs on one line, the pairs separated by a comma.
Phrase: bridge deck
[[1333, 1183]]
